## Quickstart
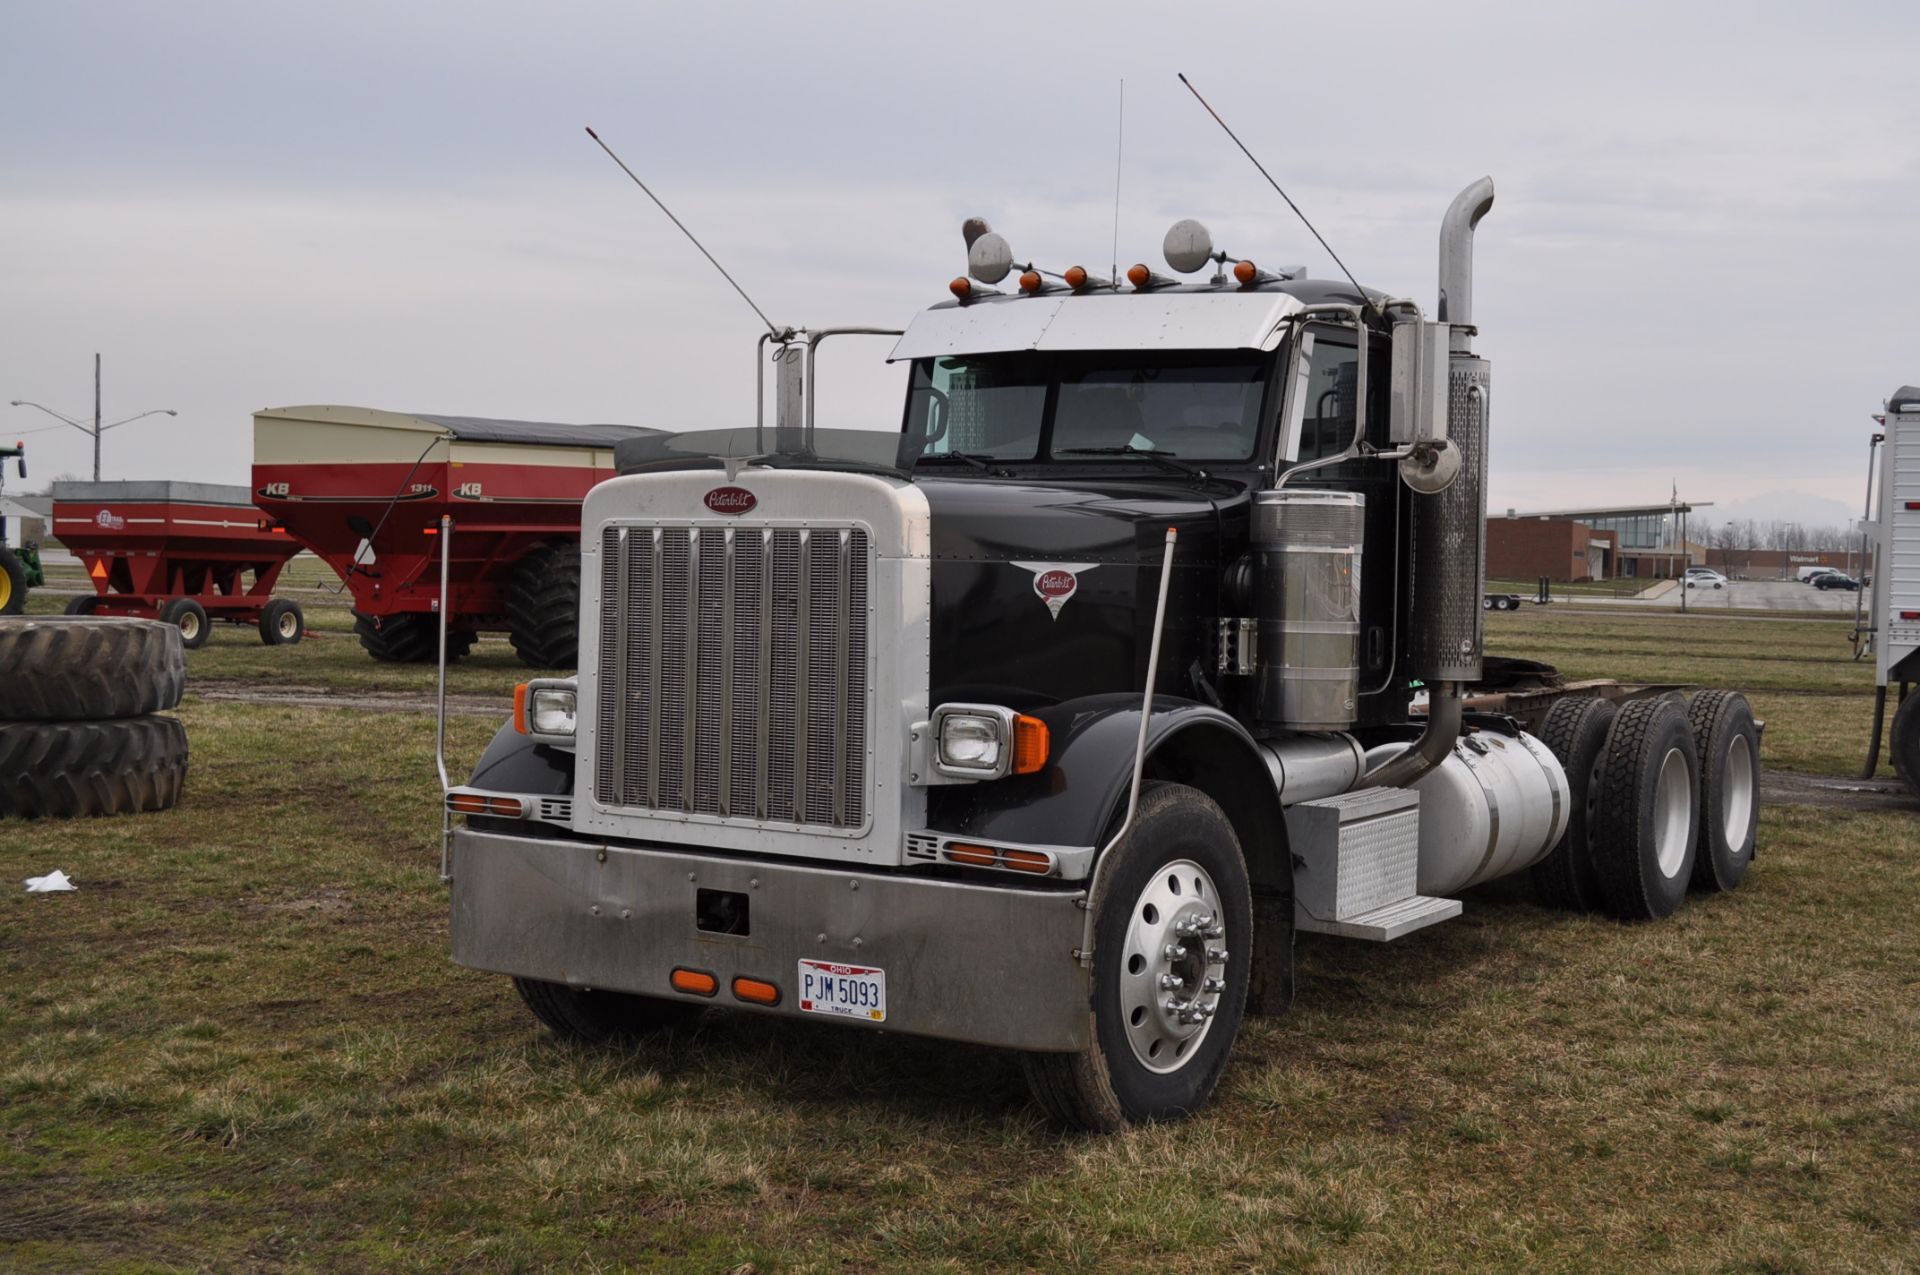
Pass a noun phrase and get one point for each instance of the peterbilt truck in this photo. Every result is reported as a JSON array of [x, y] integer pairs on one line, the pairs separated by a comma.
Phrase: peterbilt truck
[[1891, 625], [1150, 639]]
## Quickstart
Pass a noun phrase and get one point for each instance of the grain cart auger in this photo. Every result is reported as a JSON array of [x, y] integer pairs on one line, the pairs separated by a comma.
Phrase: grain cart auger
[[1891, 626], [1050, 720], [19, 563]]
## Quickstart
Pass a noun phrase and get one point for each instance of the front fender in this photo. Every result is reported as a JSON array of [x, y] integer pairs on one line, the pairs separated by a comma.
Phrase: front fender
[[514, 763]]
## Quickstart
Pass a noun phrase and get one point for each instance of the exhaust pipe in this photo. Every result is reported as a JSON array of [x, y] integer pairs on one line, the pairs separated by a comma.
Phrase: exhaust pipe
[[1450, 527]]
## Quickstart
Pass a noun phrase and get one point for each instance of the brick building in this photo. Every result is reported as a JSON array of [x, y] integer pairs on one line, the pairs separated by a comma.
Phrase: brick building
[[1645, 541]]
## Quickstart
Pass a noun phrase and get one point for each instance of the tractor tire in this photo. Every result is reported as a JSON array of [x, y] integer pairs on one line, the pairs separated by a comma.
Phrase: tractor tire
[[282, 623], [191, 619], [1904, 741], [1575, 730], [1728, 818], [85, 604], [1157, 1054], [65, 770], [13, 583], [595, 1017], [81, 669], [409, 638], [543, 606], [1643, 845]]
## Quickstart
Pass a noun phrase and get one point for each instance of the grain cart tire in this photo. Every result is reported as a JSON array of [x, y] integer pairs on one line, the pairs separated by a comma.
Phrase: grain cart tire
[[1728, 817], [63, 770], [1174, 899], [543, 606], [72, 669], [85, 604], [1575, 730], [409, 638], [595, 1017], [13, 583], [1642, 842], [282, 623], [190, 618], [1904, 741]]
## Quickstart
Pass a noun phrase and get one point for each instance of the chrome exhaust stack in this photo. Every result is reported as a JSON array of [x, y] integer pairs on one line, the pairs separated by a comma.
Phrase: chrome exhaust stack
[[1450, 526]]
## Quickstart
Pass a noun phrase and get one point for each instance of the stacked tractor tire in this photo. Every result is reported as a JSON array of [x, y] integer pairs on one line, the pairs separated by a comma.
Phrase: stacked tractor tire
[[81, 730], [1666, 798]]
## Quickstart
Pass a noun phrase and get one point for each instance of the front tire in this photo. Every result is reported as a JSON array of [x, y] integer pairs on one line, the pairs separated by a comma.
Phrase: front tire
[[1168, 988], [595, 1017], [1575, 730], [190, 618]]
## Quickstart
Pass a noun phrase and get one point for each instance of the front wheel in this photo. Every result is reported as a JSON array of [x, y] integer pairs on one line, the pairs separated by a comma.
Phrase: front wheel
[[282, 623], [190, 618], [1173, 927], [596, 1017]]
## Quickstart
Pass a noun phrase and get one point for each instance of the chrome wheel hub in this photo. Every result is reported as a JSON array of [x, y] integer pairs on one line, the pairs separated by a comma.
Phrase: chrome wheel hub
[[1672, 813], [1736, 793], [1173, 965]]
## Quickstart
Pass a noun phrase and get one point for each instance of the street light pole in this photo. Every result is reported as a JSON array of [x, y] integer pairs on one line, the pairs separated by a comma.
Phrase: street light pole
[[96, 416], [98, 428]]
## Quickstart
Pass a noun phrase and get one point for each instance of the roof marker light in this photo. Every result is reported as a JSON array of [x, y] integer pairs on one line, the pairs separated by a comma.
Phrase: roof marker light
[[1030, 283], [1145, 280]]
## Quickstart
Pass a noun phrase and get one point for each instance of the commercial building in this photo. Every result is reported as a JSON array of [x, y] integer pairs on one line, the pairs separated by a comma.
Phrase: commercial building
[[1635, 541]]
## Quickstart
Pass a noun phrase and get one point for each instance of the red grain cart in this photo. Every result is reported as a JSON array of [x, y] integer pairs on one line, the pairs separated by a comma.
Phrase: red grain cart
[[365, 490], [186, 553]]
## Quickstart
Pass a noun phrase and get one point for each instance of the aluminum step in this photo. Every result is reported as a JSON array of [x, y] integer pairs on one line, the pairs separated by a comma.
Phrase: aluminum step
[[1386, 923]]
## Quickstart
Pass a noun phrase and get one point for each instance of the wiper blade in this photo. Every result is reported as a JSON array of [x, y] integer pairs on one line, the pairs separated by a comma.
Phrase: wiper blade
[[1128, 449], [977, 459]]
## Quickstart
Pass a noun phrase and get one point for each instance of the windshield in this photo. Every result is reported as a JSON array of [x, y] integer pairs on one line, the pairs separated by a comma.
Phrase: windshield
[[1014, 407]]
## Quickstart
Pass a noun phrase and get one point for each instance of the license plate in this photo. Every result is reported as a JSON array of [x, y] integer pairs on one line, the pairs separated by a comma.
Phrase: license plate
[[850, 991]]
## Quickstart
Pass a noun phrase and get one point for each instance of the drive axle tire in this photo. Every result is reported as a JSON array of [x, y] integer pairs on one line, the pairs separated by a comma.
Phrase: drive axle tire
[[68, 669], [1903, 741], [62, 770], [595, 1017], [1729, 794], [190, 618], [282, 623], [1173, 930], [1643, 844], [543, 606], [409, 638], [13, 583], [1575, 730]]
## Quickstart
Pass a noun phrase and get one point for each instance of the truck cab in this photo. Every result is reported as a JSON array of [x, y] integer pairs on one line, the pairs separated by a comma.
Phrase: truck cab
[[1046, 720]]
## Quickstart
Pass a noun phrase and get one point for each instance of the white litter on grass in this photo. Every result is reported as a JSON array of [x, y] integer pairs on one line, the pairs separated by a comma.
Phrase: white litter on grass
[[51, 883]]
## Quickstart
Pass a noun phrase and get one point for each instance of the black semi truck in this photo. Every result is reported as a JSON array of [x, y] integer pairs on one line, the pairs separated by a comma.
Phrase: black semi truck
[[1150, 639]]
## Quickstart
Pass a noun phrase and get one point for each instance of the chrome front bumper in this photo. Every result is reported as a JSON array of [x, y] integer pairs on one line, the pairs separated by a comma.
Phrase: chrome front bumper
[[986, 964]]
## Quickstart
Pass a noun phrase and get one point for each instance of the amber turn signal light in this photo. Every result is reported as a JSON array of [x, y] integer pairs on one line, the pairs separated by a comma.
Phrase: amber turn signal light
[[694, 982], [467, 803], [520, 708], [1030, 282], [1138, 275], [1031, 744], [972, 856], [961, 288], [1076, 276], [756, 991], [1246, 272]]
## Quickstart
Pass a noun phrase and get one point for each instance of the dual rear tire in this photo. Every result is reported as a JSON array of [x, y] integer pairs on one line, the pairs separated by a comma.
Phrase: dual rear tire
[[1666, 796]]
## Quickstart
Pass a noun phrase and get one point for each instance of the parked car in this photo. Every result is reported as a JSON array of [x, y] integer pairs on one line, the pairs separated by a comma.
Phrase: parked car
[[1705, 577], [1805, 575], [1835, 580]]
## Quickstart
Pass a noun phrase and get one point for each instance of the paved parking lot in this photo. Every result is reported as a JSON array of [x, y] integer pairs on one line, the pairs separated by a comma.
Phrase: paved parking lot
[[1767, 595]]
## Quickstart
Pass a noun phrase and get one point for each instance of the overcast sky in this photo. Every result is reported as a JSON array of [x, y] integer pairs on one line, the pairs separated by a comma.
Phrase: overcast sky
[[1702, 262]]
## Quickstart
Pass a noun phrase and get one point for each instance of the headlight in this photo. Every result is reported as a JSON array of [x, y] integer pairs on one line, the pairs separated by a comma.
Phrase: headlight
[[551, 711], [971, 742]]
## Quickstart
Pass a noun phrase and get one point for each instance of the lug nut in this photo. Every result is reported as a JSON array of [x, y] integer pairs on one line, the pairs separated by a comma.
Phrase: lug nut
[[1174, 952], [1216, 956], [1214, 986], [1171, 982], [1176, 1006]]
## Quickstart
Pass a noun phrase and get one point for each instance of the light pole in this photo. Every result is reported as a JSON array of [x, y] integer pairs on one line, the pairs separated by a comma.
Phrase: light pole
[[98, 428]]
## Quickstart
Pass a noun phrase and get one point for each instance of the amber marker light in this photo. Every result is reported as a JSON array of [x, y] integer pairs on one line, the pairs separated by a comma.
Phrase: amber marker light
[[972, 856], [1026, 861], [506, 807], [1030, 282], [1137, 275], [467, 803], [1031, 744], [520, 708], [961, 288], [756, 991], [694, 982], [1246, 272], [1076, 276]]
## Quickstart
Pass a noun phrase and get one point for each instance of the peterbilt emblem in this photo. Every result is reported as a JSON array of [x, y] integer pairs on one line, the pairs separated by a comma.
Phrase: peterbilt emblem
[[1055, 582], [731, 500]]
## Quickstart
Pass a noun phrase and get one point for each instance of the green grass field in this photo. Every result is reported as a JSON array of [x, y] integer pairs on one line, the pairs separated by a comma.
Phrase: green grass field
[[241, 1047]]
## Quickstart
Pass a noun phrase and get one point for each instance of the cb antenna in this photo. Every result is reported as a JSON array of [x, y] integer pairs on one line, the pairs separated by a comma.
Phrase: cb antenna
[[1119, 154], [689, 234], [1276, 185]]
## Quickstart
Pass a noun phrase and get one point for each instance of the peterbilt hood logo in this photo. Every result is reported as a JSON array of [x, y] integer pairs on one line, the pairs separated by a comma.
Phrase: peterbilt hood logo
[[1055, 582], [731, 500]]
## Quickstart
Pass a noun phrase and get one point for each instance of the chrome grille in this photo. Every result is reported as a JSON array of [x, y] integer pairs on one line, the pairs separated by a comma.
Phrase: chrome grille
[[733, 672]]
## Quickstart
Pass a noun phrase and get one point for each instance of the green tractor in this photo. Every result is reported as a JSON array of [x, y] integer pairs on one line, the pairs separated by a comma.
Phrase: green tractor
[[19, 565]]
